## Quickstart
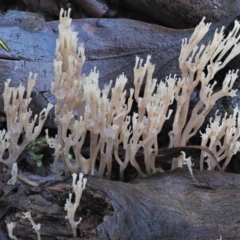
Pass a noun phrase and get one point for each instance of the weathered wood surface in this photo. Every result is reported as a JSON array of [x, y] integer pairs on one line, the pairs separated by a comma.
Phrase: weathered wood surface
[[166, 206], [174, 14], [183, 13], [111, 45]]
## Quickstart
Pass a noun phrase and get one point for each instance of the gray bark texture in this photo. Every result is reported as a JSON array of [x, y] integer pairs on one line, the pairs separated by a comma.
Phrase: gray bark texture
[[183, 13], [110, 44], [165, 206]]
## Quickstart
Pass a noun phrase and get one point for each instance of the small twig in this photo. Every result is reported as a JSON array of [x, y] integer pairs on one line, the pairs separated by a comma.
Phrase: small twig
[[169, 151], [29, 182]]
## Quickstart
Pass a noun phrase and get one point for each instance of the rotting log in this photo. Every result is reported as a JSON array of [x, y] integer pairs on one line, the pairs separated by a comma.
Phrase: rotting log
[[182, 14], [110, 44], [174, 14], [165, 206]]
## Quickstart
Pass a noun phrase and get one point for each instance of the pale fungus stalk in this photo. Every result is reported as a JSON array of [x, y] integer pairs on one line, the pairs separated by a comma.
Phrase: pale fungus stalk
[[83, 108]]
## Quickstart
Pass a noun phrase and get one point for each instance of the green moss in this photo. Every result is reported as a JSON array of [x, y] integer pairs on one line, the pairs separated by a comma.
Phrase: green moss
[[34, 147]]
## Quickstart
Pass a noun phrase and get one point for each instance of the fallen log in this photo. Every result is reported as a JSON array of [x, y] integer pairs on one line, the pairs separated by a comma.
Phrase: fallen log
[[110, 44], [165, 206], [182, 14]]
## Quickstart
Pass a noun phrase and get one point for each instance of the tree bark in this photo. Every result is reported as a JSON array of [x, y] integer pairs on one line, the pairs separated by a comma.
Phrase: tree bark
[[166, 206], [183, 14], [110, 44]]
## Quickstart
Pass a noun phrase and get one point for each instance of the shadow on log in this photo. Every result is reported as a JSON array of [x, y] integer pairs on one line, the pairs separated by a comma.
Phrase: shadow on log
[[182, 13], [166, 206]]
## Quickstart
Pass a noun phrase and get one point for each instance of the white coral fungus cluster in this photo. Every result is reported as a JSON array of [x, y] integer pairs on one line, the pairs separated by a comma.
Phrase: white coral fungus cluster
[[20, 123], [83, 108], [78, 187]]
